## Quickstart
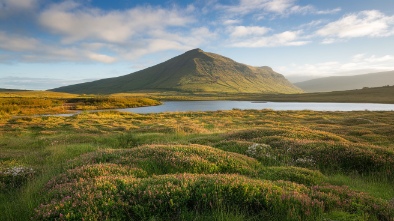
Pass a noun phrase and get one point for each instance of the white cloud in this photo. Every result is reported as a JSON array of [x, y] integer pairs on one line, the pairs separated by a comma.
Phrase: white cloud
[[363, 24], [383, 59], [32, 50], [329, 11], [247, 6], [281, 7], [80, 23], [36, 83], [127, 34], [242, 31], [17, 9], [287, 38], [86, 32], [278, 6], [358, 57], [18, 4], [309, 9], [102, 58], [161, 40], [17, 43], [358, 64], [231, 22]]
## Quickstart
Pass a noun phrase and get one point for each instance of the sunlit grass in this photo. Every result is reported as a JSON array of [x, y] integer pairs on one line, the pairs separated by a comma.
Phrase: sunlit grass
[[21, 103], [375, 186], [18, 204]]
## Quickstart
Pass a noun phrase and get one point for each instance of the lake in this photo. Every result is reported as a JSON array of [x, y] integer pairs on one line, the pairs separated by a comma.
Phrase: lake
[[182, 106]]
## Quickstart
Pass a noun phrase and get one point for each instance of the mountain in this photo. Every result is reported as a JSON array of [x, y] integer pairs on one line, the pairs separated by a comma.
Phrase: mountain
[[341, 83], [193, 71]]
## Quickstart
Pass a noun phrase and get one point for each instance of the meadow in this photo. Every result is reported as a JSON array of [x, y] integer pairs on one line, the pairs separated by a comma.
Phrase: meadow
[[223, 165], [382, 95], [22, 103]]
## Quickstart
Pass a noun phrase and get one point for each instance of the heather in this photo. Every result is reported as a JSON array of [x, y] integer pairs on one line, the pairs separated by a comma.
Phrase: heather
[[223, 165]]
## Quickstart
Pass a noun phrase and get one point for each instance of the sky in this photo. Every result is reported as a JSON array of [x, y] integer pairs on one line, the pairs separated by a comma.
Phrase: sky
[[47, 44]]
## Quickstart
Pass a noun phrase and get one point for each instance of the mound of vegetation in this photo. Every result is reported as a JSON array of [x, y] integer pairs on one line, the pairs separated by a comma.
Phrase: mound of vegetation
[[313, 149], [164, 159], [156, 181]]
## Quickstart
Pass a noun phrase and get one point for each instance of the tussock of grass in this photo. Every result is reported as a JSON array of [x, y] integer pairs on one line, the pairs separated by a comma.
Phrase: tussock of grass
[[294, 174], [169, 195], [107, 191], [167, 159]]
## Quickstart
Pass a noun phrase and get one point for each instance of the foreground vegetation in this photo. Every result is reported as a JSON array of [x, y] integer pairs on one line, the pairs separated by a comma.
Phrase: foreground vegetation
[[224, 165]]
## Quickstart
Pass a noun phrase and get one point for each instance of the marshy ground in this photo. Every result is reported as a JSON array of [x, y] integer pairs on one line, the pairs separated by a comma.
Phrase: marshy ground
[[224, 165]]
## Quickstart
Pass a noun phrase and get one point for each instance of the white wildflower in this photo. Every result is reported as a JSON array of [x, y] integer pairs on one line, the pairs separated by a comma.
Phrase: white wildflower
[[259, 150], [305, 161], [18, 171]]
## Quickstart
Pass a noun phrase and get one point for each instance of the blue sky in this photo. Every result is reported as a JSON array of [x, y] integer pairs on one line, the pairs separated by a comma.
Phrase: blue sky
[[46, 44]]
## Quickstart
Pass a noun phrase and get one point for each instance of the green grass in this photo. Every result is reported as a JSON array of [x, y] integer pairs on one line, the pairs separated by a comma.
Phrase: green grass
[[22, 103], [224, 165], [375, 186], [366, 95], [18, 203]]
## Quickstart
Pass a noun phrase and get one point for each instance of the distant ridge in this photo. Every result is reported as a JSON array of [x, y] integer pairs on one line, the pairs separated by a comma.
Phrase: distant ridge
[[10, 90], [193, 71], [341, 83]]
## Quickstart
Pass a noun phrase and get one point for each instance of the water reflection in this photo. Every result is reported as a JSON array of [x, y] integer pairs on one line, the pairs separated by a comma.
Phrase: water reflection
[[181, 106]]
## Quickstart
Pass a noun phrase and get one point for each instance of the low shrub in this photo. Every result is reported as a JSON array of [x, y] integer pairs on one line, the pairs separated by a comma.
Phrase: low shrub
[[334, 156], [95, 170], [164, 159], [15, 177], [255, 133], [167, 196], [294, 174], [342, 198], [235, 146]]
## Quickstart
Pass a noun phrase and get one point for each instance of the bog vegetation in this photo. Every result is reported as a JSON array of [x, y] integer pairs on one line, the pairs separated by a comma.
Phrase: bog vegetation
[[42, 102], [224, 165]]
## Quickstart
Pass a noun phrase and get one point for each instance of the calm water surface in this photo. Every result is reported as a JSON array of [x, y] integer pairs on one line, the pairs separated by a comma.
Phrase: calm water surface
[[182, 106]]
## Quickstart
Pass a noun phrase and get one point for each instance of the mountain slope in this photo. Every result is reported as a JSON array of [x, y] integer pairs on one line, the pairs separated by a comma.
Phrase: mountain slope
[[341, 83], [193, 71]]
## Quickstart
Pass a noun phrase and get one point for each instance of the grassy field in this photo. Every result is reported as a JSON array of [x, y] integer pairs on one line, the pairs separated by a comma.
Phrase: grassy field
[[366, 95], [224, 165], [25, 103], [20, 103]]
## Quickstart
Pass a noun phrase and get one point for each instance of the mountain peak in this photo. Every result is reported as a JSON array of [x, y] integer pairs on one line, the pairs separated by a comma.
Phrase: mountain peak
[[193, 71], [194, 51], [266, 68], [197, 49]]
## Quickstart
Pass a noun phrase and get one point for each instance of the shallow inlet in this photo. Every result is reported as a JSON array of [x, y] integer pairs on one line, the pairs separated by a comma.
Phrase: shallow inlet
[[182, 106], [185, 106]]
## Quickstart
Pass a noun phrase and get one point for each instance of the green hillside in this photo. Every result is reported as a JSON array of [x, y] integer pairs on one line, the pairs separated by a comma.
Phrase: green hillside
[[341, 83], [365, 95], [193, 71]]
